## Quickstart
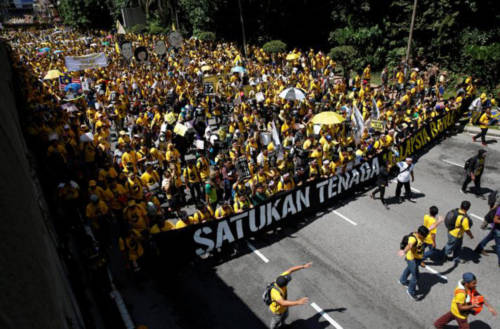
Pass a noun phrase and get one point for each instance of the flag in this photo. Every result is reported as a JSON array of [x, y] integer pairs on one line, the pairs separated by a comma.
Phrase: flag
[[117, 48], [375, 109], [360, 124], [173, 27], [119, 28], [64, 80]]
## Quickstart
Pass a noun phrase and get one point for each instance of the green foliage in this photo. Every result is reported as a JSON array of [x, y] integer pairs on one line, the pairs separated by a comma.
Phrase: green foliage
[[138, 28], [345, 55], [199, 13], [154, 27], [274, 46], [85, 13], [484, 61], [205, 36]]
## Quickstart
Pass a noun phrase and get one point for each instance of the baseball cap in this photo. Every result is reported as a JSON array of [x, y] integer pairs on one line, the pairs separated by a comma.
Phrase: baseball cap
[[283, 280], [468, 277]]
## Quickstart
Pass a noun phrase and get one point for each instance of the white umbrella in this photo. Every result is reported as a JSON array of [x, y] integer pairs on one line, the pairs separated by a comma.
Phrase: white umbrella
[[293, 94]]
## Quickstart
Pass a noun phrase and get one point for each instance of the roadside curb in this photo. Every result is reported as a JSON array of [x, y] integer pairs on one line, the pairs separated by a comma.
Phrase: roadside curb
[[474, 130]]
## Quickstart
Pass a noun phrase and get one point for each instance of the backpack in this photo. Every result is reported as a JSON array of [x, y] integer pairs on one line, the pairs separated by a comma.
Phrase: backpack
[[468, 164], [266, 296], [451, 217], [404, 241]]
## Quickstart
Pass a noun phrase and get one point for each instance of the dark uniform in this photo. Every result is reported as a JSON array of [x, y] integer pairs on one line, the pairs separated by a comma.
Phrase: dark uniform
[[475, 169], [382, 180]]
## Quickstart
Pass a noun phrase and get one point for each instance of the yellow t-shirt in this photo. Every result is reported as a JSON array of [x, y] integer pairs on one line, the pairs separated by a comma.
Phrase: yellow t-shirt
[[462, 224], [277, 294], [417, 251], [484, 121], [428, 221], [459, 298]]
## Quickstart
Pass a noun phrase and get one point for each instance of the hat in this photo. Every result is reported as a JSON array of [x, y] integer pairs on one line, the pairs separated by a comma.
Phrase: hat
[[283, 280], [467, 277]]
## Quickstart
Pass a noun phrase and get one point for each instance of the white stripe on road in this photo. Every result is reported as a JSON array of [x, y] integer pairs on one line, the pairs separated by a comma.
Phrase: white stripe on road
[[453, 163], [344, 217], [430, 269], [326, 316], [258, 253], [478, 217]]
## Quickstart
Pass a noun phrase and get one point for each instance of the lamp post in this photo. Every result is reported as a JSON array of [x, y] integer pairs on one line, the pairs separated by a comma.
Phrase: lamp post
[[411, 32]]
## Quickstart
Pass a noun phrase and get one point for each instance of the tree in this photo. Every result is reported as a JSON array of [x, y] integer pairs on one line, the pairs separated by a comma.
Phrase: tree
[[485, 63], [274, 46], [345, 56], [85, 13]]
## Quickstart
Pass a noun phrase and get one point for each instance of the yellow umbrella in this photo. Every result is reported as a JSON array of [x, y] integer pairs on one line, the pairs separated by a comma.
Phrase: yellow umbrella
[[328, 118], [206, 68], [292, 57], [52, 74]]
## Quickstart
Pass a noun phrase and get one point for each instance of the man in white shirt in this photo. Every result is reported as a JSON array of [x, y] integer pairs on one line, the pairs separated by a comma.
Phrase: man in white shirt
[[405, 172]]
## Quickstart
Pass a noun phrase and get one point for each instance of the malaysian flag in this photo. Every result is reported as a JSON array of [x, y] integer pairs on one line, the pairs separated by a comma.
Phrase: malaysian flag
[[76, 80], [64, 80]]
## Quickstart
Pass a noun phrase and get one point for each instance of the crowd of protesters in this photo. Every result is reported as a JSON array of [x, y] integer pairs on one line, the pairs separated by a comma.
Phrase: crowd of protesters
[[115, 155]]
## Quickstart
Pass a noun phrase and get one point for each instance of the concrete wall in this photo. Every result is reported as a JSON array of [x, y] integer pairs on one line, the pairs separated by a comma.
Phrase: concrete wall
[[34, 292]]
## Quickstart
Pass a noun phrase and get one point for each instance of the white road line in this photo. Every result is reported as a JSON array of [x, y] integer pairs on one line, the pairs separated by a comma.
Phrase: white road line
[[258, 253], [430, 269], [453, 163], [326, 316], [344, 217], [478, 217]]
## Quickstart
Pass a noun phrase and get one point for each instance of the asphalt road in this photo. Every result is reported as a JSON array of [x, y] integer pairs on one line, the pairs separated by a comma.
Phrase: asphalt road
[[355, 271]]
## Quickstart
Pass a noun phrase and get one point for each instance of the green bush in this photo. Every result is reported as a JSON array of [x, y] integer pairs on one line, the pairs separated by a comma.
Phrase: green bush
[[155, 28], [138, 28], [274, 46], [205, 35]]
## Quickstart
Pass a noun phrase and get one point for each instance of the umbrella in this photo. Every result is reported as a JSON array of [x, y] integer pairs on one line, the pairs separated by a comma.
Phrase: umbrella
[[73, 86], [44, 50], [57, 51], [238, 69], [206, 68], [328, 118], [293, 94], [52, 74], [292, 57]]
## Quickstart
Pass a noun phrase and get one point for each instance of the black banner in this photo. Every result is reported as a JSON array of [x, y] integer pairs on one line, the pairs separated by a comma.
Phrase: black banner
[[308, 198]]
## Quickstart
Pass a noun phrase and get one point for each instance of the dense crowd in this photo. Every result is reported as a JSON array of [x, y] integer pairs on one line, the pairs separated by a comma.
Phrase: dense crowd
[[136, 145]]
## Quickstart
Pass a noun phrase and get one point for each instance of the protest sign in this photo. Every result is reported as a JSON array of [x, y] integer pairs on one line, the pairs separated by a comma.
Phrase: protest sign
[[91, 61]]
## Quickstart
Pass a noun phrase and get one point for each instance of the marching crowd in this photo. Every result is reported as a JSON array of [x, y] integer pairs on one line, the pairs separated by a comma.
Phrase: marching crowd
[[135, 143]]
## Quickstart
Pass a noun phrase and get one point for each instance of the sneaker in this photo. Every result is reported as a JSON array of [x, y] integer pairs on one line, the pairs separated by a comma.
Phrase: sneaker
[[412, 296], [403, 284], [484, 253], [484, 144]]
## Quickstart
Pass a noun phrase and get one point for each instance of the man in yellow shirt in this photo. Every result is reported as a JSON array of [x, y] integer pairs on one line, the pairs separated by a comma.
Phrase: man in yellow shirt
[[414, 252], [279, 302], [456, 235], [461, 305], [484, 122], [431, 222]]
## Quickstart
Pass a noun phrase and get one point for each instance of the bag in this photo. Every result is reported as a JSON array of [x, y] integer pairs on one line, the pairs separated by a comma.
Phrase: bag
[[468, 164], [404, 241], [266, 296], [451, 218]]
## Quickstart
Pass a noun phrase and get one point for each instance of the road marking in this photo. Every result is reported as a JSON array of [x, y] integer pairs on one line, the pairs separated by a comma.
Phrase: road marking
[[326, 316], [453, 163], [430, 269], [258, 253], [478, 217], [344, 217]]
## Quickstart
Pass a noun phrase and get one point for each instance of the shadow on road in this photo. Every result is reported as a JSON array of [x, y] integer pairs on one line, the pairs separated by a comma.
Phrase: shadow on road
[[476, 324], [426, 282], [314, 322]]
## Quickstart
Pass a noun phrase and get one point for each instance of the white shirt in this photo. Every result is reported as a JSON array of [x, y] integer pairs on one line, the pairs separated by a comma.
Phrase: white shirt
[[404, 177]]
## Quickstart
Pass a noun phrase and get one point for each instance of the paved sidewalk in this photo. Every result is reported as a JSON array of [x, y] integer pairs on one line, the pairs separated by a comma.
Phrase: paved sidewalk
[[475, 130]]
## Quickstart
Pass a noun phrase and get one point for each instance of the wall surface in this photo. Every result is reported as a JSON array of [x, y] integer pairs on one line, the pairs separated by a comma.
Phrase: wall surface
[[34, 292]]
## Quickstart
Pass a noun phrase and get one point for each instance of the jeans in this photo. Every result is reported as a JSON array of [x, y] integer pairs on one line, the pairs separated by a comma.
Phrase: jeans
[[497, 242], [453, 245], [489, 237], [411, 268], [432, 252], [482, 134], [278, 320]]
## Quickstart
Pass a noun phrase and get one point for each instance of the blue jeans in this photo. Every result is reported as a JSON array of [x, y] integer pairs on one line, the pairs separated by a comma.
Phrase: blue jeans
[[453, 245], [497, 242], [411, 268], [489, 237], [432, 252]]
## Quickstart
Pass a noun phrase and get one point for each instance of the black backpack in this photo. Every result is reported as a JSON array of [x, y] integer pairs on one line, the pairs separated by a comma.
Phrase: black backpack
[[451, 218], [266, 296], [404, 241], [468, 163]]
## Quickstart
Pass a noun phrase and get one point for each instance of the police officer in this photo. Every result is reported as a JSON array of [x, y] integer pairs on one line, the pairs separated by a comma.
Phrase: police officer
[[474, 171]]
